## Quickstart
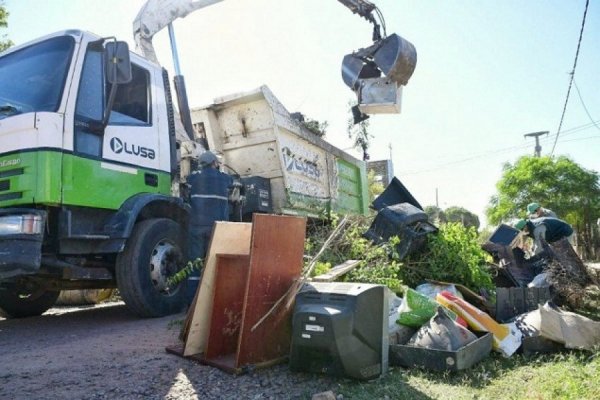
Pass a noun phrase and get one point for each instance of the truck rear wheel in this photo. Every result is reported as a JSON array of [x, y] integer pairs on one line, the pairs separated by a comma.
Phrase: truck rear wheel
[[152, 255], [17, 301]]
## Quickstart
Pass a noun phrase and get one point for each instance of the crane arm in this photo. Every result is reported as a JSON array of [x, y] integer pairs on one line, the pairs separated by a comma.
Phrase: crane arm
[[155, 15], [391, 56]]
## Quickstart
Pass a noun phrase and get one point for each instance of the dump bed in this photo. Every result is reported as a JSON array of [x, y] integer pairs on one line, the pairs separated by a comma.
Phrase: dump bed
[[257, 137]]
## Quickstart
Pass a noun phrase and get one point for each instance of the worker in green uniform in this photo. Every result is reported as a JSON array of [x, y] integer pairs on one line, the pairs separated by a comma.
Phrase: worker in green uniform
[[544, 229], [536, 211]]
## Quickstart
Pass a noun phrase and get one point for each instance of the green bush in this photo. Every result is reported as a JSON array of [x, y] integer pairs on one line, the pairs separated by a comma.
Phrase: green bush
[[453, 255]]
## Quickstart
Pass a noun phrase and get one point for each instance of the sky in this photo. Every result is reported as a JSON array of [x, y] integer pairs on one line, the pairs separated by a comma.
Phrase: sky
[[487, 73]]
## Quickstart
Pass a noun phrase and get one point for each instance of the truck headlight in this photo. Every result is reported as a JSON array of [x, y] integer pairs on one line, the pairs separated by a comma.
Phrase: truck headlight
[[28, 224]]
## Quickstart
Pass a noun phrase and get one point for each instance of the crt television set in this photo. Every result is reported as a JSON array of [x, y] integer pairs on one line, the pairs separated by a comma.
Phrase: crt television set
[[341, 329]]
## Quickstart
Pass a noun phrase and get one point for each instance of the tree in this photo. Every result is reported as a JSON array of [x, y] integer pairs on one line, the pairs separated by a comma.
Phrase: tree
[[557, 183], [4, 43], [359, 133], [462, 216], [435, 214], [375, 187]]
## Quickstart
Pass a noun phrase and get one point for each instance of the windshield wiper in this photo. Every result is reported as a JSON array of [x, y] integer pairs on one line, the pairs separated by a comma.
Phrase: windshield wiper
[[8, 109]]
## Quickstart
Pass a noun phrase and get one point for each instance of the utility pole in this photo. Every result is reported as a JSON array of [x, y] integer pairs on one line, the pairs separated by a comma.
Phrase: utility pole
[[536, 135]]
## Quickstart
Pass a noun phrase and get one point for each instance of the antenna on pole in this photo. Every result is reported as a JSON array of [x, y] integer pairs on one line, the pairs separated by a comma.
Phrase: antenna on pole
[[538, 149]]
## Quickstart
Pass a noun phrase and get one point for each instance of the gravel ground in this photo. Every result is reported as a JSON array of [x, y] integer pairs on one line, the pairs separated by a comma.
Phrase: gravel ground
[[103, 352]]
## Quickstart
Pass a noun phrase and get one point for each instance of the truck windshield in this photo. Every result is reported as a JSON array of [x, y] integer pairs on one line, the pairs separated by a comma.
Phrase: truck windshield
[[32, 79]]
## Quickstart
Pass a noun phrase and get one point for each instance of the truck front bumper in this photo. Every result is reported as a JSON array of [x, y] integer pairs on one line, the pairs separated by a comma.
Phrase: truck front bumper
[[21, 236]]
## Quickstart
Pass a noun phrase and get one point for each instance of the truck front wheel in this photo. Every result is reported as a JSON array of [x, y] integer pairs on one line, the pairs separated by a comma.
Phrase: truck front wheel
[[20, 301], [152, 255]]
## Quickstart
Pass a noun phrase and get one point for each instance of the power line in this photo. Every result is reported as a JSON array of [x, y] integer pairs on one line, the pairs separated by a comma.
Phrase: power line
[[583, 104], [587, 2], [495, 152]]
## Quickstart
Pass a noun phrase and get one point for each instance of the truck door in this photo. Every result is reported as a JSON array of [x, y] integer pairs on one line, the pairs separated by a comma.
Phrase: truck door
[[112, 164]]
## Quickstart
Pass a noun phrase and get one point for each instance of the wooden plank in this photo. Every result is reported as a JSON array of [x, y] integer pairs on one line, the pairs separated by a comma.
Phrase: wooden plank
[[227, 238], [337, 271], [276, 262], [228, 301]]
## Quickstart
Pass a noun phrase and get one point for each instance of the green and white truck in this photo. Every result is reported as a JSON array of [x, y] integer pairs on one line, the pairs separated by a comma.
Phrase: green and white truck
[[92, 160]]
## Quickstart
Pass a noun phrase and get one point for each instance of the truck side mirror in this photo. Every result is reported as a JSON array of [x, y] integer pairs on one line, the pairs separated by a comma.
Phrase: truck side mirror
[[117, 63]]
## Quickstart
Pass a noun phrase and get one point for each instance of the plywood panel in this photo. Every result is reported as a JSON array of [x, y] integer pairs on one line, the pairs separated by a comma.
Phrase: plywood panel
[[227, 238], [228, 301], [275, 263]]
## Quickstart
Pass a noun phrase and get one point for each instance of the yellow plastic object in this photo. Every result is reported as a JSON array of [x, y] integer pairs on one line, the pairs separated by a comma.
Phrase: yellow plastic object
[[507, 338]]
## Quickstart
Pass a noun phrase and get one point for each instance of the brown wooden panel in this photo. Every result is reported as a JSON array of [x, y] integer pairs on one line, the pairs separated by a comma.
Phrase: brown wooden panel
[[276, 258], [228, 301], [227, 238]]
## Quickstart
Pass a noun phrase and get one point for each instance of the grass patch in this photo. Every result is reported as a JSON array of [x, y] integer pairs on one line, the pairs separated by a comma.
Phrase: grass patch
[[568, 375]]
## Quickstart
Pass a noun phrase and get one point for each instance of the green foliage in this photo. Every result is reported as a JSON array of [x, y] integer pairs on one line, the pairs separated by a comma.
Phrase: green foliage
[[375, 187], [183, 274], [556, 183], [376, 265], [359, 133], [316, 127], [4, 43], [462, 216], [435, 214], [452, 214], [453, 255], [321, 268]]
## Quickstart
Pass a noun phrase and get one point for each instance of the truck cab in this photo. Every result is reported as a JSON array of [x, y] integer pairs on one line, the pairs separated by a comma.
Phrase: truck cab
[[86, 193]]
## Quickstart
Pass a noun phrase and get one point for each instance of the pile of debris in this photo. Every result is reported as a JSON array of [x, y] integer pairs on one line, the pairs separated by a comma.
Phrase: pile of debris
[[255, 305]]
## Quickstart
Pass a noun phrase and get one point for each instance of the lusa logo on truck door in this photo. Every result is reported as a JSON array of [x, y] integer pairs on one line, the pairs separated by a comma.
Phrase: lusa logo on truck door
[[118, 146]]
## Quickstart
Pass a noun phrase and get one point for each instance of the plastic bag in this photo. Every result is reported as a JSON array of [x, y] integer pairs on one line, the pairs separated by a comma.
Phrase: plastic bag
[[507, 338], [395, 303], [441, 333], [431, 290], [417, 309], [540, 280]]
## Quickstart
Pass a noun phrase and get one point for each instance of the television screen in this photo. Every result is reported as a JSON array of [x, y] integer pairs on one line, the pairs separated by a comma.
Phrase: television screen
[[341, 329]]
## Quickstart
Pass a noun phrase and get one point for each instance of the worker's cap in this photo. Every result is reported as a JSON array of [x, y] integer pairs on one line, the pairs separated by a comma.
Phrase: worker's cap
[[207, 158], [532, 207], [520, 224]]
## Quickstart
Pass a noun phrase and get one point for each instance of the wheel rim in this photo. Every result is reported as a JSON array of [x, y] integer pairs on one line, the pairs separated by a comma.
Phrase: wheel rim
[[165, 261]]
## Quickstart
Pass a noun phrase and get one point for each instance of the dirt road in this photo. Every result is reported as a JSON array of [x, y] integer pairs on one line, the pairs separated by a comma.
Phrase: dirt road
[[104, 352]]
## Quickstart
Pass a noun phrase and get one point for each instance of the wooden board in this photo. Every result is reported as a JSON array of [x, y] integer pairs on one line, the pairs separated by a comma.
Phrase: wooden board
[[228, 302], [276, 260], [337, 271], [227, 238]]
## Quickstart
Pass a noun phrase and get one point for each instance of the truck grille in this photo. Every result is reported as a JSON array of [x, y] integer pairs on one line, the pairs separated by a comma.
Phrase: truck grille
[[6, 184], [11, 196], [12, 172]]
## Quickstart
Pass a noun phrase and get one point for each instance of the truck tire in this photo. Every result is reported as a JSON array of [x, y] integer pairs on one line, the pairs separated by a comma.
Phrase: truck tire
[[15, 302], [153, 253]]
